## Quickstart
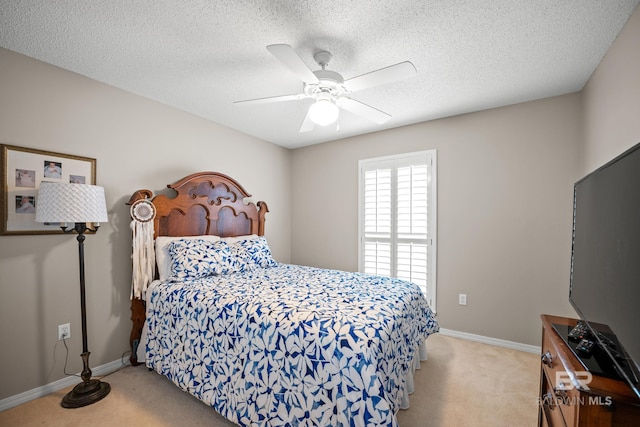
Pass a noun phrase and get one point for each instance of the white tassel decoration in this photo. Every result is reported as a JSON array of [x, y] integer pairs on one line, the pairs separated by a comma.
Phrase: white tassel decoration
[[143, 256]]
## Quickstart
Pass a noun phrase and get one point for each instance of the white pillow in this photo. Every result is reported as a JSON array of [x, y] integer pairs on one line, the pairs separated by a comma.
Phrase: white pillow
[[163, 259]]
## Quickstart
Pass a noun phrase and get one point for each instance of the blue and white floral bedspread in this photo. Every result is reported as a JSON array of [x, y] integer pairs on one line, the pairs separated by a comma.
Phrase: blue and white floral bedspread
[[290, 345]]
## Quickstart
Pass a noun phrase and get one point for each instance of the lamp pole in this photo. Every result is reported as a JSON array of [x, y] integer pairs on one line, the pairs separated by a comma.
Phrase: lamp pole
[[89, 390]]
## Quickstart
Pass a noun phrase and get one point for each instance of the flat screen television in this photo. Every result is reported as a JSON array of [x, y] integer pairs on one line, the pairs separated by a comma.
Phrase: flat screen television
[[605, 261]]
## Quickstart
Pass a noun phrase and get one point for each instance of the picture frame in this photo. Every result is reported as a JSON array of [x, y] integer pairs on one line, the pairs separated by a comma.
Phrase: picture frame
[[23, 171]]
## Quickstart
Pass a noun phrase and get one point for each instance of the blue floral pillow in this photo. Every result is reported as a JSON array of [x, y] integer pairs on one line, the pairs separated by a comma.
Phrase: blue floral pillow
[[254, 253], [196, 258]]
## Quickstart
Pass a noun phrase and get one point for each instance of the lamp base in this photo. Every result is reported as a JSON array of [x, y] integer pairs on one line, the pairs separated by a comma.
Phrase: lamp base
[[85, 393]]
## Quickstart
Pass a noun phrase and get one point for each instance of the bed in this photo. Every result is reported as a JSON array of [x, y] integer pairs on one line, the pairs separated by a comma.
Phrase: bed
[[265, 343]]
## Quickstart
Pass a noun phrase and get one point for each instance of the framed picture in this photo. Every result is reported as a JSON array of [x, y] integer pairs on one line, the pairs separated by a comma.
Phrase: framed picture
[[23, 171]]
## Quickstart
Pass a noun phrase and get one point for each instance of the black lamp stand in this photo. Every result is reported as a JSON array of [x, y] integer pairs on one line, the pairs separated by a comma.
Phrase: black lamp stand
[[89, 390]]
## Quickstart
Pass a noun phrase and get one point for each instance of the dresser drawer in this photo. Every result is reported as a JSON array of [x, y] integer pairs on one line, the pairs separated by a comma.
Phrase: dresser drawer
[[551, 413], [565, 397]]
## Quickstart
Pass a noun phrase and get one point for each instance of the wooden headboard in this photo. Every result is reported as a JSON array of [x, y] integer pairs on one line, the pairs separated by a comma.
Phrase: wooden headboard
[[205, 203]]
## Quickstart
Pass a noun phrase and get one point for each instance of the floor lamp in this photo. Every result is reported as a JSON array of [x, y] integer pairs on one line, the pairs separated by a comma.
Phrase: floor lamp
[[80, 204]]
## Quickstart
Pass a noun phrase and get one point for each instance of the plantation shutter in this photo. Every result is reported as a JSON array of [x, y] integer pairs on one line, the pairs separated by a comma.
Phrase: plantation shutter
[[397, 218]]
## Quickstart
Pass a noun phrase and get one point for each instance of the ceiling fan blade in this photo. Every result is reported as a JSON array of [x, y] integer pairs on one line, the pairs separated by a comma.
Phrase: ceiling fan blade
[[389, 74], [307, 124], [290, 58], [363, 110], [270, 99]]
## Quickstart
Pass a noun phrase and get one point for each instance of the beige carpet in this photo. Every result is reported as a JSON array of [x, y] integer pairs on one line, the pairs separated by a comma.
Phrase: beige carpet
[[463, 383]]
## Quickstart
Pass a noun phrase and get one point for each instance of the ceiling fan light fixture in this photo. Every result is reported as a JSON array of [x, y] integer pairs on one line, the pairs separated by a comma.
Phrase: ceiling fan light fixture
[[329, 91], [323, 112]]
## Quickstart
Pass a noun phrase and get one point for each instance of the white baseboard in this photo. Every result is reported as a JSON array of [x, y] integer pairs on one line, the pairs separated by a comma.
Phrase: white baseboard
[[492, 341], [35, 393]]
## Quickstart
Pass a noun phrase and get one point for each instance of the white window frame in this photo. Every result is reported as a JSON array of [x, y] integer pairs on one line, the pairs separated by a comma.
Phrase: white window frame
[[395, 161]]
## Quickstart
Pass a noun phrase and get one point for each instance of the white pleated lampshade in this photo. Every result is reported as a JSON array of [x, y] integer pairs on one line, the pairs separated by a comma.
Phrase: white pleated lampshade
[[62, 202]]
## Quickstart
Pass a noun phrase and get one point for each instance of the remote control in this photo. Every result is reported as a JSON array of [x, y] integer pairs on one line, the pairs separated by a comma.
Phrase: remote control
[[578, 332], [585, 346]]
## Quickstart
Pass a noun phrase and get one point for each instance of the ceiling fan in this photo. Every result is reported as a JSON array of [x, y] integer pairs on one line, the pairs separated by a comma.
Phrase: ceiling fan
[[330, 90]]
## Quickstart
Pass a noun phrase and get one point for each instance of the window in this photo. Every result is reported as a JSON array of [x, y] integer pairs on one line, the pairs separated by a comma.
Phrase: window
[[397, 218]]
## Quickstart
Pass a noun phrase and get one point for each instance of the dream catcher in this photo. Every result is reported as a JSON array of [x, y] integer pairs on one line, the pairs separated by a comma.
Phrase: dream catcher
[[143, 213]]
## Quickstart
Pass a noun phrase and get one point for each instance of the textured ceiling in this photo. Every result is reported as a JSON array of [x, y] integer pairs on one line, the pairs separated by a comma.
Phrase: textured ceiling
[[201, 55]]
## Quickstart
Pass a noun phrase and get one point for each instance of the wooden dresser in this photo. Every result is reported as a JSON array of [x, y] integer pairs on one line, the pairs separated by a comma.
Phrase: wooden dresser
[[570, 396]]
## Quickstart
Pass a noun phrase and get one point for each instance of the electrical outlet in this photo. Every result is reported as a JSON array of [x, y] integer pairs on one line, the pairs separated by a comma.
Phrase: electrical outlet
[[64, 332], [462, 299]]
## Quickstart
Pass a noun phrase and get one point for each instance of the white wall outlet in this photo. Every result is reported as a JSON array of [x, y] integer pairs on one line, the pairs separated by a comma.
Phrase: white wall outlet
[[462, 299], [64, 332]]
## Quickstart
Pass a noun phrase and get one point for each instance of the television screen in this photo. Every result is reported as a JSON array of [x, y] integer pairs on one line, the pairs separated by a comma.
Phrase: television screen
[[605, 260]]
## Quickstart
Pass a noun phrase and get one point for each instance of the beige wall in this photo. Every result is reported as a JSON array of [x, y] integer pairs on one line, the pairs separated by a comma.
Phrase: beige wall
[[612, 100], [138, 143], [504, 210]]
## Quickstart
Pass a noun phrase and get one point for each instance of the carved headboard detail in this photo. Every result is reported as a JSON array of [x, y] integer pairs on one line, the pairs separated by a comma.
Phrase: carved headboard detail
[[205, 203]]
